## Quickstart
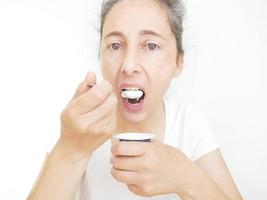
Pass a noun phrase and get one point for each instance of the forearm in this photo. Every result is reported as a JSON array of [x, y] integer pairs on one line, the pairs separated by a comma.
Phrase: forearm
[[61, 176], [201, 187]]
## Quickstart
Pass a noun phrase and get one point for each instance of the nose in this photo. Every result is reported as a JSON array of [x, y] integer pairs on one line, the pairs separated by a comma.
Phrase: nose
[[130, 63]]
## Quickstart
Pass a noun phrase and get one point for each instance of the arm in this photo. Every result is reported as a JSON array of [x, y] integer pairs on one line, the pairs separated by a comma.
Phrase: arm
[[214, 168], [41, 171], [86, 123], [60, 177], [213, 180]]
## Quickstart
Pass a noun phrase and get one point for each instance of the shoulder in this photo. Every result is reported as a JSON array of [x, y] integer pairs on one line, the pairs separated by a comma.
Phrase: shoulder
[[189, 129]]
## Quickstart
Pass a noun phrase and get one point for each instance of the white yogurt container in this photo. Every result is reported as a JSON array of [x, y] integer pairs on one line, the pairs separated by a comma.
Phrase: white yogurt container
[[134, 137]]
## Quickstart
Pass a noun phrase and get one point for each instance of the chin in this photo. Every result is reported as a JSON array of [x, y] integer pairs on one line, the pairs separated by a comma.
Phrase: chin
[[134, 117]]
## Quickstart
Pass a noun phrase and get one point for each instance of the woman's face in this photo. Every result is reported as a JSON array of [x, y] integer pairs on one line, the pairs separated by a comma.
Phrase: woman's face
[[138, 52]]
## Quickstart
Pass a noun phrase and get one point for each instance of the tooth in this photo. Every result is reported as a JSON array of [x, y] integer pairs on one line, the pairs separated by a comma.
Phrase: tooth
[[132, 93], [130, 89]]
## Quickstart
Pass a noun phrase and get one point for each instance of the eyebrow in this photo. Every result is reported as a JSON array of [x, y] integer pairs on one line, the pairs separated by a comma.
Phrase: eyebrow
[[114, 33], [143, 32], [150, 32]]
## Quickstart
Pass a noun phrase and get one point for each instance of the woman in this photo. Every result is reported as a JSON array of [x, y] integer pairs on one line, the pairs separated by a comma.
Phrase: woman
[[141, 50]]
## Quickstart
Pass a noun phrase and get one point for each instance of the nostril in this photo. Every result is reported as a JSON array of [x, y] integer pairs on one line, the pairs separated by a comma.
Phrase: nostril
[[130, 66], [129, 70]]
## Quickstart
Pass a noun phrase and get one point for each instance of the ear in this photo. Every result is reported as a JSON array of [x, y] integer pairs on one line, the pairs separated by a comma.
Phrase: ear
[[179, 65]]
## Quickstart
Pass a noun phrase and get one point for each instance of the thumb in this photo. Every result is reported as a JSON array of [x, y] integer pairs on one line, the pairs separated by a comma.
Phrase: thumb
[[85, 85]]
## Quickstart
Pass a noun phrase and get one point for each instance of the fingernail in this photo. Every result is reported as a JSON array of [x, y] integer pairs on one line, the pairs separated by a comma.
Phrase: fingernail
[[90, 85]]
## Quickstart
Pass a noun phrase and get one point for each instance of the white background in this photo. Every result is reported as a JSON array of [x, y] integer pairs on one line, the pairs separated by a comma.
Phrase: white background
[[46, 48]]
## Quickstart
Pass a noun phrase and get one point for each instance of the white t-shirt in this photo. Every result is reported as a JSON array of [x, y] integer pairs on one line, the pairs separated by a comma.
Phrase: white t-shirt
[[185, 130]]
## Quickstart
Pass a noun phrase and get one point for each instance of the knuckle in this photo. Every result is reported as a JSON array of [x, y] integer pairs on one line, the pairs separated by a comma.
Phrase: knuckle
[[114, 162], [116, 149], [65, 115], [147, 190], [97, 95], [116, 174], [146, 164]]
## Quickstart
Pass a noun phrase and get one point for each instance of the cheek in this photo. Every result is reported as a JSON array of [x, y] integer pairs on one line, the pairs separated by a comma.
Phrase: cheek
[[161, 77], [162, 62], [160, 82], [151, 60]]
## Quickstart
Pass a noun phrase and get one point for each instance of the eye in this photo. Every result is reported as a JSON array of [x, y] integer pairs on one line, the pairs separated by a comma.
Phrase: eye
[[115, 46], [151, 46]]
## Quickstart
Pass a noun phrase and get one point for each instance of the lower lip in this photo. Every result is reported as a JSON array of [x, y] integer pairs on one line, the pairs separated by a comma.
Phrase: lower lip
[[133, 108]]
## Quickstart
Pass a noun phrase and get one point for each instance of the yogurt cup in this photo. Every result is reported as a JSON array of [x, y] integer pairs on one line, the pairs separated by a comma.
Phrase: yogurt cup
[[134, 137]]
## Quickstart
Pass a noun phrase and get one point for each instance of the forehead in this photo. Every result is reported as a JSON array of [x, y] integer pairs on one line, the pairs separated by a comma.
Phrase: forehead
[[130, 16]]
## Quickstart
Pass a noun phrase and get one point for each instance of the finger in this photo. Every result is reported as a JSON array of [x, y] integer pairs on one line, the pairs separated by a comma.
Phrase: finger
[[127, 163], [85, 85], [105, 127], [136, 190], [129, 148], [133, 188], [128, 177], [92, 98], [107, 108]]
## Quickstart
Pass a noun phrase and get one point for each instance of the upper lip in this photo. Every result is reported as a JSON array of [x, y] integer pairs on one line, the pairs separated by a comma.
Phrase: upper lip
[[126, 85]]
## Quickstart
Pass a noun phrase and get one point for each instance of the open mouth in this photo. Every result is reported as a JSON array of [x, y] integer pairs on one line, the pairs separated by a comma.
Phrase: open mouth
[[133, 95]]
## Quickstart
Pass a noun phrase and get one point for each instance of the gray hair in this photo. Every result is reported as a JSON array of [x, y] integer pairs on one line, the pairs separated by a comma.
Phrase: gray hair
[[175, 11]]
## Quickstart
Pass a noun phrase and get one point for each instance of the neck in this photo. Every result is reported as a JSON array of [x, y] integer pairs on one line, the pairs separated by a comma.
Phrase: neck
[[155, 123]]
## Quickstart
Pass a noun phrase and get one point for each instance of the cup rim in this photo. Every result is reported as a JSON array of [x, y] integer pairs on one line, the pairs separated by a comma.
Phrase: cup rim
[[134, 136]]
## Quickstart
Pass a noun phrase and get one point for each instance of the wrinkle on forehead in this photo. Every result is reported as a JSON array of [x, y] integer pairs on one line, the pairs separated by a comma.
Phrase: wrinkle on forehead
[[129, 17]]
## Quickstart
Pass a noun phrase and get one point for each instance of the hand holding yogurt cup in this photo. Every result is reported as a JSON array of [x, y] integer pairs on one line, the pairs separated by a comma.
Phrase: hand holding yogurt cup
[[148, 167]]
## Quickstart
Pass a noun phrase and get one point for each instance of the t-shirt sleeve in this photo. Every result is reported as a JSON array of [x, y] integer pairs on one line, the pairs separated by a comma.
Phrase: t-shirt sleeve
[[201, 137]]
